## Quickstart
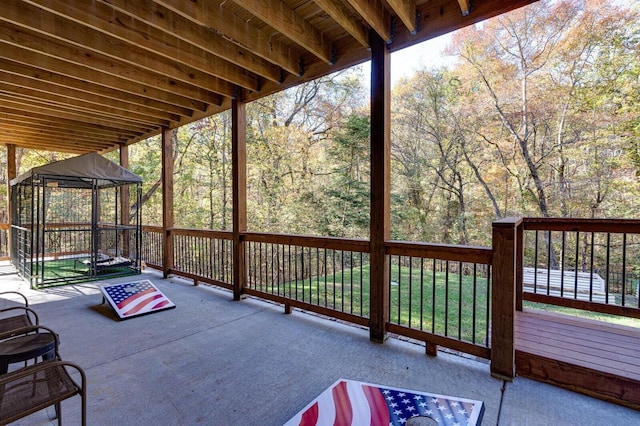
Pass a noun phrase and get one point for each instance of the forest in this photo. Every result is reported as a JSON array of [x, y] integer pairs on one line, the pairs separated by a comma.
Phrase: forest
[[538, 116]]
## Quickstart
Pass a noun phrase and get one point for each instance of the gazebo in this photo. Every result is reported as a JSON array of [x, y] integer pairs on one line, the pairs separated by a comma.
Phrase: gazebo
[[75, 220]]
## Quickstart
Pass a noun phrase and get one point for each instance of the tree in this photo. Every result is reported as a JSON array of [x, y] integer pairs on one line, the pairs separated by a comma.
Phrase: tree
[[346, 200]]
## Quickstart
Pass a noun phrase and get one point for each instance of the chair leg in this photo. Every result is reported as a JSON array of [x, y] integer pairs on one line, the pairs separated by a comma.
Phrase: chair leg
[[58, 414]]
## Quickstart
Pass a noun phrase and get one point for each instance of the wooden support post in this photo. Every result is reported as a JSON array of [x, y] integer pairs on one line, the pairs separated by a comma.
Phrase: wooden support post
[[11, 174], [519, 260], [239, 182], [167, 201], [503, 301], [431, 349], [380, 178]]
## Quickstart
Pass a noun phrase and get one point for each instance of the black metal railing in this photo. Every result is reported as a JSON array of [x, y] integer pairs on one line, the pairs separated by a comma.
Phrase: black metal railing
[[322, 274], [586, 264]]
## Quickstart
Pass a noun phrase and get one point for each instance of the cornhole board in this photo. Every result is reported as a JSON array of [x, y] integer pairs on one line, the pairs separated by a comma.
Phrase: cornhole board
[[349, 402], [137, 298]]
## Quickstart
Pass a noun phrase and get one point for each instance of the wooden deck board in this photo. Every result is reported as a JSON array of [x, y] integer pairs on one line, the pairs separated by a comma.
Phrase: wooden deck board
[[587, 356], [605, 343]]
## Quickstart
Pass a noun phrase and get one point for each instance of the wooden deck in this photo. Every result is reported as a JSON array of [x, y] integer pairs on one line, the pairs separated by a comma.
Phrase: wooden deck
[[590, 357]]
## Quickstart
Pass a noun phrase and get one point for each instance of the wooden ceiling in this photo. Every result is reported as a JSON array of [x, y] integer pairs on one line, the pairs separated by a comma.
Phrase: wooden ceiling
[[90, 75]]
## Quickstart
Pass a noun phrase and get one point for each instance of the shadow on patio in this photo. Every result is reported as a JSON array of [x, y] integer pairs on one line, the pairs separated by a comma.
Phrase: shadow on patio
[[213, 361]]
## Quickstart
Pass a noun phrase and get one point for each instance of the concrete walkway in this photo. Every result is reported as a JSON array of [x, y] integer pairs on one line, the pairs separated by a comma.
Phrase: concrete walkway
[[212, 361]]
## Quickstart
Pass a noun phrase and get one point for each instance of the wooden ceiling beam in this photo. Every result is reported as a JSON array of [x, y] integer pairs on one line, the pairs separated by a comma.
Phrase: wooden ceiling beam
[[6, 120], [90, 106], [48, 134], [344, 17], [286, 21], [203, 37], [465, 7], [77, 117], [17, 118], [114, 76], [405, 10], [376, 15], [237, 31], [55, 83], [66, 39], [81, 138], [438, 18], [139, 44], [60, 146]]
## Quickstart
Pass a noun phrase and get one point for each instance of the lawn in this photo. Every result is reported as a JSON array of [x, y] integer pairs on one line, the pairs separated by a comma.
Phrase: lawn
[[449, 304]]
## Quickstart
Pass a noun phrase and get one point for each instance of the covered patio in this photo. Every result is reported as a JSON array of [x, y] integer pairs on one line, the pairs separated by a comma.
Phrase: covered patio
[[98, 76], [215, 361]]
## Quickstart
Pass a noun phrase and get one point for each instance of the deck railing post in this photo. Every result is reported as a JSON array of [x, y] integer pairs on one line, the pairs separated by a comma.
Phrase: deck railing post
[[167, 201], [239, 172], [503, 297], [519, 259]]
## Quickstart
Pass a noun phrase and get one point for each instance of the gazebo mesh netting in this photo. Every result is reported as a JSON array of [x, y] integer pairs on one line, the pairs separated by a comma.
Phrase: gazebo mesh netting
[[76, 220]]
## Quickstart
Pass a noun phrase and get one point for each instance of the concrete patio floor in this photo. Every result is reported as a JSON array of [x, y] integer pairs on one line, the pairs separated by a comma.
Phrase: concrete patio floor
[[213, 361]]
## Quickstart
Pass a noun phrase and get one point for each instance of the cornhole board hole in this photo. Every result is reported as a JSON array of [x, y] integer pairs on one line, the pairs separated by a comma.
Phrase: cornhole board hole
[[351, 402], [137, 298]]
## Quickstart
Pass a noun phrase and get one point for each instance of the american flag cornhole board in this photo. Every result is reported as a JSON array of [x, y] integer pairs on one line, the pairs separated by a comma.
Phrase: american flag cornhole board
[[348, 402], [129, 300]]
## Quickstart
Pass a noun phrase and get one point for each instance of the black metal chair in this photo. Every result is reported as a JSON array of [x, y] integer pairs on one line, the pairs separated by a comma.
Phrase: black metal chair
[[15, 317], [40, 385]]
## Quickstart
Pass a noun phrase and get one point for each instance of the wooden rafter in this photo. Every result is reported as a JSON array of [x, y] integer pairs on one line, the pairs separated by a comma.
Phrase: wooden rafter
[[93, 75], [290, 24], [344, 18], [237, 31], [88, 105], [65, 95], [204, 38], [406, 11], [376, 15], [32, 118], [136, 35], [55, 83], [116, 76], [60, 28], [26, 106], [464, 7]]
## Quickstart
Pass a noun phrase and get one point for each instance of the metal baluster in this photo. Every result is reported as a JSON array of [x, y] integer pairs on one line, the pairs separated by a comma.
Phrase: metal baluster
[[473, 307], [591, 268], [549, 244], [575, 284], [433, 298], [624, 268], [326, 273], [488, 313], [446, 299], [535, 264], [399, 287]]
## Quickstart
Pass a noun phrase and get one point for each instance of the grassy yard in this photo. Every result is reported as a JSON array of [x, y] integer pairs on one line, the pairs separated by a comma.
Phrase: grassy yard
[[447, 304]]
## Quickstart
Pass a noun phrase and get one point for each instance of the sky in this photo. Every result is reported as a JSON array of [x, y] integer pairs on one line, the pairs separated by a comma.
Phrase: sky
[[406, 62]]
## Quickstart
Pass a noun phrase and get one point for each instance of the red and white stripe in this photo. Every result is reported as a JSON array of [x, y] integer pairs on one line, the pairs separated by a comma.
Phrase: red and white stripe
[[348, 403]]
